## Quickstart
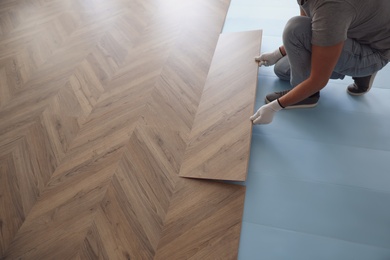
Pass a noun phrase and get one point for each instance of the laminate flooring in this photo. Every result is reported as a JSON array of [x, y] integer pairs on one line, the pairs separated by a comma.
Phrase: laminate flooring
[[97, 101]]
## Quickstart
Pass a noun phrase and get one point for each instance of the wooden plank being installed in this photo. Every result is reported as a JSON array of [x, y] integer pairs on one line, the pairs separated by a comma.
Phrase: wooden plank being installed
[[220, 138]]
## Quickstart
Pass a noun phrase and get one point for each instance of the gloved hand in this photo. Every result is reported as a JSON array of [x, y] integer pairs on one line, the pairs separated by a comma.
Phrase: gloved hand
[[269, 58], [266, 113]]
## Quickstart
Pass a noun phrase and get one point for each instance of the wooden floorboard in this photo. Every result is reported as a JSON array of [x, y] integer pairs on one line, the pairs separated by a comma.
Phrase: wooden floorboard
[[220, 138], [97, 103], [203, 221]]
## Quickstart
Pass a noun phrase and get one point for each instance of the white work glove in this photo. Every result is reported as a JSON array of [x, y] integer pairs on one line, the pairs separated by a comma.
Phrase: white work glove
[[269, 58], [266, 113]]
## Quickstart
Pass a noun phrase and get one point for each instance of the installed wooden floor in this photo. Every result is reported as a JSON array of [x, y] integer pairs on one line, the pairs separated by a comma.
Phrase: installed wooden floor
[[97, 102]]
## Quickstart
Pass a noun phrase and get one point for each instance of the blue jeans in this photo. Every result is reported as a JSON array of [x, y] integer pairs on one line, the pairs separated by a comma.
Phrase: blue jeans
[[356, 60]]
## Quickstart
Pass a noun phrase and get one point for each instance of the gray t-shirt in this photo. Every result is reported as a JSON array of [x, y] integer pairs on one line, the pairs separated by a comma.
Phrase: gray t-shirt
[[366, 21]]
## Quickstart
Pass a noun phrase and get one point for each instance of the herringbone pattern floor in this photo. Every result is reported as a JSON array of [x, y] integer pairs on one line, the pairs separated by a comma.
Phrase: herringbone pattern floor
[[97, 101]]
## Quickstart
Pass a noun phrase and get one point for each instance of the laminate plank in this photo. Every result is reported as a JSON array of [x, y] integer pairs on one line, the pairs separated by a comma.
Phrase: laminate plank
[[203, 222], [12, 218], [220, 137]]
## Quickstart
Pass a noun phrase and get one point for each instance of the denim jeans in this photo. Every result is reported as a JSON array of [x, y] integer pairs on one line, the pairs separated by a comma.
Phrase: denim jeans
[[356, 60]]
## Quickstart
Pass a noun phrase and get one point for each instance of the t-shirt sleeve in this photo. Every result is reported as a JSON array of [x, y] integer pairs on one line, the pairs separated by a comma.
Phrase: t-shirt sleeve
[[330, 23]]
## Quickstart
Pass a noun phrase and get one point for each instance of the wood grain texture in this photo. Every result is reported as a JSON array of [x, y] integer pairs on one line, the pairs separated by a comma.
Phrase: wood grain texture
[[97, 102], [203, 221], [220, 138]]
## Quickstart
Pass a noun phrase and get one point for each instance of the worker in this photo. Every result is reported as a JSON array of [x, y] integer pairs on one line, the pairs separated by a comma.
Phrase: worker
[[330, 40]]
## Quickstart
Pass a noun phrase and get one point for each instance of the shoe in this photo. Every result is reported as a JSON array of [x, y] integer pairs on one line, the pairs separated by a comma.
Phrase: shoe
[[361, 85], [306, 103]]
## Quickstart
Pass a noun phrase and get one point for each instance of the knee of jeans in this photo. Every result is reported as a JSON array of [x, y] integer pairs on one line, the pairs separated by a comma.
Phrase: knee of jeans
[[282, 71], [282, 68], [297, 27]]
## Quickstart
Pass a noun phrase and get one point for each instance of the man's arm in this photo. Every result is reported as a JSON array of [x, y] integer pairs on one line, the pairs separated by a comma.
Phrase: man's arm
[[323, 61], [302, 12]]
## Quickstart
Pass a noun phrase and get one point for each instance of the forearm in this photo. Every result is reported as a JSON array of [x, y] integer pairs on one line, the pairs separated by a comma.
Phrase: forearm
[[301, 92], [302, 12], [323, 61], [282, 50]]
